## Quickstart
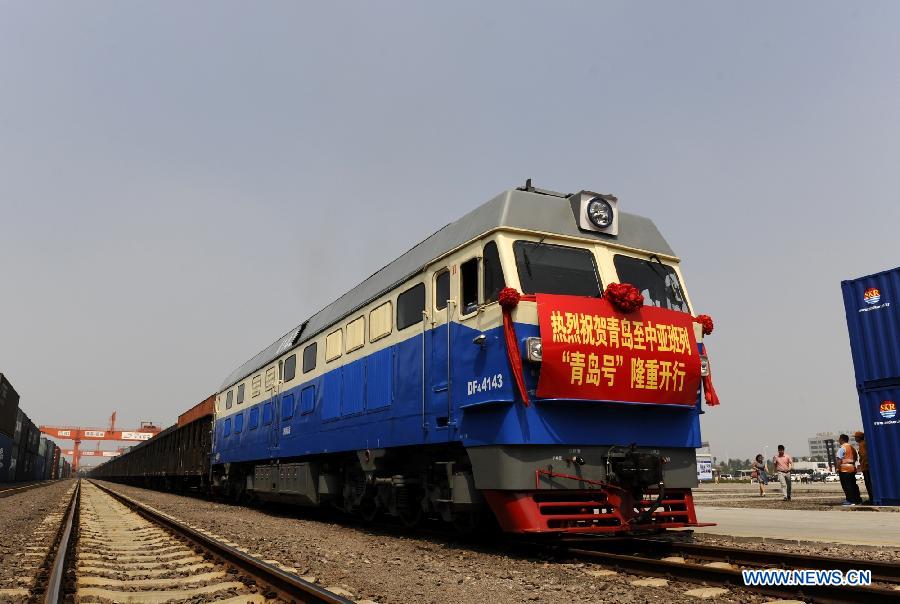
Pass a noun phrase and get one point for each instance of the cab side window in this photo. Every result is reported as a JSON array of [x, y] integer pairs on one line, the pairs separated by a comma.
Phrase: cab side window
[[309, 357], [442, 290], [290, 368], [493, 273], [468, 286], [410, 306], [228, 398]]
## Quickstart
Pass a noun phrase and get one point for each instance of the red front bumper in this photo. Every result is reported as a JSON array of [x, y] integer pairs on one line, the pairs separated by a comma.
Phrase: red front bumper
[[589, 511]]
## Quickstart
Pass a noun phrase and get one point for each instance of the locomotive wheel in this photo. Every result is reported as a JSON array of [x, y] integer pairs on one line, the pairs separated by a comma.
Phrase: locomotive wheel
[[368, 509], [466, 523], [411, 516], [476, 524]]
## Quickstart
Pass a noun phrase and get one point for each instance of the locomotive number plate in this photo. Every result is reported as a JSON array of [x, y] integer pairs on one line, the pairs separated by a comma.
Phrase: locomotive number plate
[[491, 382]]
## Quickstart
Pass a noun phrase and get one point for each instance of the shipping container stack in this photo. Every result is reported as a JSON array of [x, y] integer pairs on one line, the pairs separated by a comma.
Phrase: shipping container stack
[[33, 450], [48, 460], [16, 447], [24, 454], [9, 410], [57, 453], [48, 470], [40, 460], [23, 429], [872, 305]]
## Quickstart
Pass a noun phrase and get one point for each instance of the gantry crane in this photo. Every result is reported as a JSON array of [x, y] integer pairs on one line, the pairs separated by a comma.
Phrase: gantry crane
[[98, 452], [145, 432]]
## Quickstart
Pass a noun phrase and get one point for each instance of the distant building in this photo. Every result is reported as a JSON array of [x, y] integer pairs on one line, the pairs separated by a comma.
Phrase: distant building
[[704, 462], [811, 466], [817, 442]]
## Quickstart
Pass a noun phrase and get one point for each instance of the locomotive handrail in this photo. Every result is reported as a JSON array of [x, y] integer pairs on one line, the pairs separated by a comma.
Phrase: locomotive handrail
[[541, 472], [450, 304], [424, 385]]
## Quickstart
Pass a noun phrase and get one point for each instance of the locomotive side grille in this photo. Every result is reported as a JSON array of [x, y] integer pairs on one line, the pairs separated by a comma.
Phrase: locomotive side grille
[[593, 510], [674, 508], [572, 510]]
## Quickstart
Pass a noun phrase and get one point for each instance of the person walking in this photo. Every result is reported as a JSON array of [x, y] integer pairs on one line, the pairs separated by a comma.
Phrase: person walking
[[864, 464], [784, 463], [846, 463], [760, 473]]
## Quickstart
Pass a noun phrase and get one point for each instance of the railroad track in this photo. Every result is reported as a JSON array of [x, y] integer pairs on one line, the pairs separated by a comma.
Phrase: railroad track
[[722, 565], [117, 549], [688, 561], [8, 491]]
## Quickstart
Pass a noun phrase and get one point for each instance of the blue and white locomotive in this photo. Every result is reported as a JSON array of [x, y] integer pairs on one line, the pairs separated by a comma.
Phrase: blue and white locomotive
[[398, 398]]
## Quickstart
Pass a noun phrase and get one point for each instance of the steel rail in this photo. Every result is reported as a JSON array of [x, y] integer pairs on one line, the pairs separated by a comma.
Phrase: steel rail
[[10, 491], [833, 594], [888, 572], [288, 586], [53, 593]]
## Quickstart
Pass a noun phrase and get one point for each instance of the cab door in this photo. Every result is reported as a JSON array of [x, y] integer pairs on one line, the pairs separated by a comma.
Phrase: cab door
[[466, 345], [479, 373], [271, 390], [439, 346]]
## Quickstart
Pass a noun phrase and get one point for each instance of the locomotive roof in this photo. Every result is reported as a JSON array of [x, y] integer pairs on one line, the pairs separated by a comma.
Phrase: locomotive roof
[[532, 209]]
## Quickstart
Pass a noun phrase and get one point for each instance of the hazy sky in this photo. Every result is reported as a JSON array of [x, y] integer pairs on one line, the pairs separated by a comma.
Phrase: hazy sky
[[170, 172]]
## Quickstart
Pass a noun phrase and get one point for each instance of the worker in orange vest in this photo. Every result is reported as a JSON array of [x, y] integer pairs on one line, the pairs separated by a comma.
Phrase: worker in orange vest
[[864, 463], [846, 463]]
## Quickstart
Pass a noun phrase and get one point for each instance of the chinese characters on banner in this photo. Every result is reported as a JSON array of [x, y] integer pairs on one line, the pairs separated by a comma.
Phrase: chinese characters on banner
[[592, 351]]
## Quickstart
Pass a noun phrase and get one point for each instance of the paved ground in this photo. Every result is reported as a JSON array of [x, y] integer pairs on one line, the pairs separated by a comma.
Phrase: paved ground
[[814, 496], [845, 526]]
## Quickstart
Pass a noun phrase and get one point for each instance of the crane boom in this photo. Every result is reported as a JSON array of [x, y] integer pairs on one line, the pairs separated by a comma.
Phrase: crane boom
[[77, 435]]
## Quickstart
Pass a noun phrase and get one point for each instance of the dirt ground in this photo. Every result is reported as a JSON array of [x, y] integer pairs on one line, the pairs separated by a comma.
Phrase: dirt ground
[[382, 566], [28, 524]]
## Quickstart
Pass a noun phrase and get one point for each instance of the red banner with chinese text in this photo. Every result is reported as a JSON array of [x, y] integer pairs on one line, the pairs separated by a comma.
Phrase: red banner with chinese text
[[593, 351]]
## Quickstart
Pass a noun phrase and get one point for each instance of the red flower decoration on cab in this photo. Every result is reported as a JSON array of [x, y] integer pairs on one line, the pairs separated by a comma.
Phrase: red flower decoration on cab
[[624, 296], [508, 298], [707, 323]]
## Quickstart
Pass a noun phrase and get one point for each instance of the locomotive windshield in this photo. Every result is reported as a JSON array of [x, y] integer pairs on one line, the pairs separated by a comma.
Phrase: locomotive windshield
[[658, 282], [556, 269]]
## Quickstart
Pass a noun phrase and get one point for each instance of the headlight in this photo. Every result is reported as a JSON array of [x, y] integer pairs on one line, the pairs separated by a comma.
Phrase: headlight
[[600, 213], [535, 349], [704, 365]]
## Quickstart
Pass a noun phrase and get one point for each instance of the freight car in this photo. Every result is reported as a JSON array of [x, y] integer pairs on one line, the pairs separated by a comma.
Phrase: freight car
[[501, 368], [175, 459]]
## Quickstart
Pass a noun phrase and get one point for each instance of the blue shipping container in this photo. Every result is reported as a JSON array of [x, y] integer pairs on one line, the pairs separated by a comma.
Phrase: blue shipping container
[[872, 305]]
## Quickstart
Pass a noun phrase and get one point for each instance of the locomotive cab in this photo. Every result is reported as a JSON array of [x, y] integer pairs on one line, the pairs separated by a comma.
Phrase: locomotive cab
[[626, 474]]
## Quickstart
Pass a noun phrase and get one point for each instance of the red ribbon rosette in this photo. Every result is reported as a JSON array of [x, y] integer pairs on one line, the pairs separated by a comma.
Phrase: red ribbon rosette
[[707, 323], [624, 296], [509, 299]]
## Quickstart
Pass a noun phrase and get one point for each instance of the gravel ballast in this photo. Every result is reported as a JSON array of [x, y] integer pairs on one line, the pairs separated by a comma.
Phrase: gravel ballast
[[28, 524], [384, 567]]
